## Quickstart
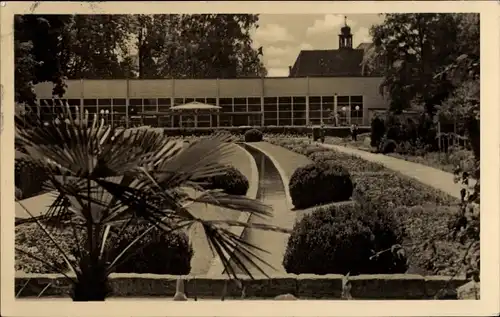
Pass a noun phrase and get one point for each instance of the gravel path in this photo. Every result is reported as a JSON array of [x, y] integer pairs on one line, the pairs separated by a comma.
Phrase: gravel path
[[427, 175]]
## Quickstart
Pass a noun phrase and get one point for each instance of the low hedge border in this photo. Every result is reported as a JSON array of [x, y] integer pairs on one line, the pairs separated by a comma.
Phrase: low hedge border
[[304, 286], [287, 130]]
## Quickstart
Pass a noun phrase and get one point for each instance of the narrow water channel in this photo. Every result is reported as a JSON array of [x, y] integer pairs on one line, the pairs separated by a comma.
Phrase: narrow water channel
[[271, 191]]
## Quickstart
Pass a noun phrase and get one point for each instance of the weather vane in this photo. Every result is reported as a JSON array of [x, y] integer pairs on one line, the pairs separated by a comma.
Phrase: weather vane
[[345, 20]]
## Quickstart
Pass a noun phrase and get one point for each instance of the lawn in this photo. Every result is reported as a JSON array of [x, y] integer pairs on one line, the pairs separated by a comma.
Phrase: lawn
[[423, 211]]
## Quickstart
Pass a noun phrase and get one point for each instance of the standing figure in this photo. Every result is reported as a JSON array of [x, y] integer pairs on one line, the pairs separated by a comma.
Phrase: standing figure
[[354, 132]]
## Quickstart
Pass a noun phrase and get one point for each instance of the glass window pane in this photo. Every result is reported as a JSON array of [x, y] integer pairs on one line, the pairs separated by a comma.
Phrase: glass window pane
[[164, 101], [104, 102], [356, 98], [343, 99], [135, 102], [254, 101], [315, 99], [327, 99], [89, 102], [119, 102], [270, 101], [285, 100]]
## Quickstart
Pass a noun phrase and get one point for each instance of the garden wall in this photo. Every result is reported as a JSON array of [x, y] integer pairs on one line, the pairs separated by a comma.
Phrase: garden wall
[[303, 286]]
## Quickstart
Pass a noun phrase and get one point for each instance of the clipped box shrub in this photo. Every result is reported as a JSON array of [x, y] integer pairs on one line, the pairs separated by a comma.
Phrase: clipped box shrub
[[29, 179], [388, 146], [165, 253], [233, 182], [253, 135], [341, 239], [377, 131], [391, 189], [319, 183], [352, 163]]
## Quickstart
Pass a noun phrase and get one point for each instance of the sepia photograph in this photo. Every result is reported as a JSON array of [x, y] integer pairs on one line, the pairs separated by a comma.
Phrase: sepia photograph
[[228, 157]]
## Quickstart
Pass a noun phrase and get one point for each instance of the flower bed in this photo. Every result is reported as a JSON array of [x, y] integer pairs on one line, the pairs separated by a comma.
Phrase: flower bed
[[424, 211]]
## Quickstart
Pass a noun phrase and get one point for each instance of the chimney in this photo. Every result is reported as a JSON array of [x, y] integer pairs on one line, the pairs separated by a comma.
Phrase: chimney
[[289, 70]]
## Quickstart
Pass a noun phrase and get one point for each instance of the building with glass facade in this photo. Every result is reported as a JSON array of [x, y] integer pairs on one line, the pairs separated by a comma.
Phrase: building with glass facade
[[283, 101]]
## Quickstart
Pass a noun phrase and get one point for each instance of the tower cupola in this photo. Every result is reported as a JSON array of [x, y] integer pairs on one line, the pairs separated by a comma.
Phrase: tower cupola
[[345, 36]]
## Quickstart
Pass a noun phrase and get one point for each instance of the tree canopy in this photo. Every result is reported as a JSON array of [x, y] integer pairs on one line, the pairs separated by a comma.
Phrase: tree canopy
[[420, 53], [59, 47]]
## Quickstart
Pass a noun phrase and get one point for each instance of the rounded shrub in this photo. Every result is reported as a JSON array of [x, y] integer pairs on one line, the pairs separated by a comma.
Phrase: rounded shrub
[[160, 252], [29, 178], [345, 238], [233, 182], [253, 135], [377, 131], [320, 183], [388, 146]]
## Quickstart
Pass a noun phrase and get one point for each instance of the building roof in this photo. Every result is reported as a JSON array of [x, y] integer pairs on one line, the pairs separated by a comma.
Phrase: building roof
[[340, 62], [364, 46]]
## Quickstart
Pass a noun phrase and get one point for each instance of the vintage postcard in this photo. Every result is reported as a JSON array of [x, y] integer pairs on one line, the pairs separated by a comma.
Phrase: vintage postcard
[[250, 158]]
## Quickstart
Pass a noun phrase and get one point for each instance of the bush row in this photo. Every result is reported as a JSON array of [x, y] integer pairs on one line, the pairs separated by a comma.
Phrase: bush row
[[29, 179], [389, 210], [161, 253], [287, 130]]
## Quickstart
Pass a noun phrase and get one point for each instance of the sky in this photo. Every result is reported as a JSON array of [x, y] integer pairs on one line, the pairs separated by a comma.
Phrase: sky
[[283, 36]]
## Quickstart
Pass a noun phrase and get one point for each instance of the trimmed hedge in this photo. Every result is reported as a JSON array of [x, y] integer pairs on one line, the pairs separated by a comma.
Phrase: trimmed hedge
[[233, 182], [166, 253], [29, 179], [341, 239], [389, 190], [285, 130], [163, 253], [377, 131], [253, 135], [319, 183], [350, 162]]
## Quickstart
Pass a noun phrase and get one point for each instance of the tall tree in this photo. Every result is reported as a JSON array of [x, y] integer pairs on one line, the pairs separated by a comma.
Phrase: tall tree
[[198, 46], [99, 45], [414, 47], [38, 46]]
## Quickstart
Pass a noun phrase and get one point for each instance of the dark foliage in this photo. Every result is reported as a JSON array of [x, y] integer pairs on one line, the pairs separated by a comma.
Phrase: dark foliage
[[320, 183], [233, 182], [341, 239], [163, 253], [377, 131], [253, 135]]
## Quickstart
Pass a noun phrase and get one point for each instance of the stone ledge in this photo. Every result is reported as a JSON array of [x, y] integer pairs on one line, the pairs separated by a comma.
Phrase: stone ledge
[[303, 286], [217, 267]]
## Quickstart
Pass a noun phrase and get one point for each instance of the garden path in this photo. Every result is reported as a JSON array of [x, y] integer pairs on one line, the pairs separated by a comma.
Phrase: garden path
[[276, 195], [427, 175]]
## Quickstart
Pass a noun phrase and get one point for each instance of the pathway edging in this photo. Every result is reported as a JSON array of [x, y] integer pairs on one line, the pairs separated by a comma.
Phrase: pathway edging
[[440, 180], [284, 177], [217, 268]]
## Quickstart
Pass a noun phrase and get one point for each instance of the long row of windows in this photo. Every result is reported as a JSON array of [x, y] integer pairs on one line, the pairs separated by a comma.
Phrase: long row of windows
[[234, 111]]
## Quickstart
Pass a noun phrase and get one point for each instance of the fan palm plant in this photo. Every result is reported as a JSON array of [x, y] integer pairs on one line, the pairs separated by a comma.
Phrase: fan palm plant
[[106, 180]]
